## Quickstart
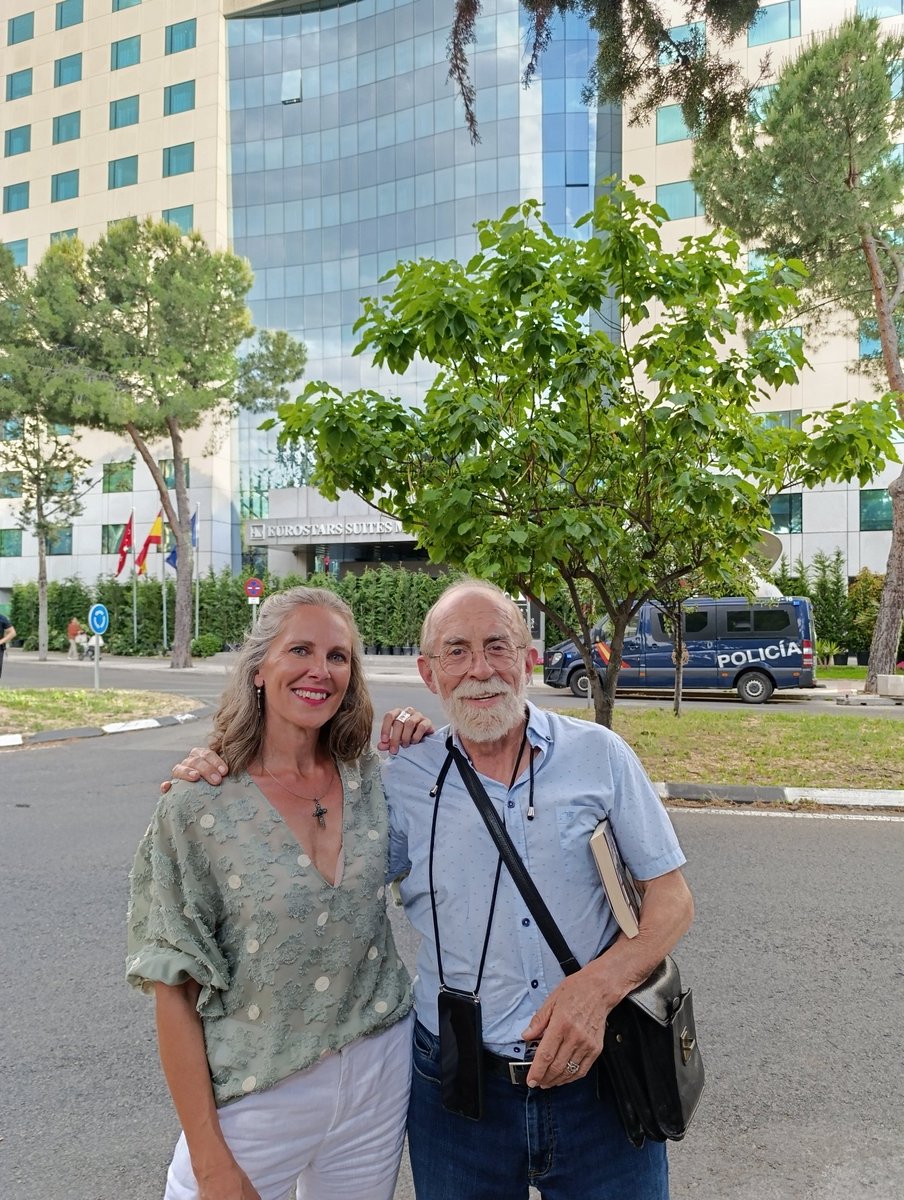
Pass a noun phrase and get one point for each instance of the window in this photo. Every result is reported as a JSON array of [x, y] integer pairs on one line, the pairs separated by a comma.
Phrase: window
[[119, 5], [774, 620], [179, 160], [122, 172], [20, 29], [19, 250], [787, 516], [875, 509], [168, 470], [10, 485], [9, 430], [59, 482], [15, 197], [69, 12], [59, 540], [10, 543], [18, 84], [181, 36], [125, 53], [789, 418], [699, 623], [64, 186], [67, 127], [121, 220], [179, 97], [67, 70], [679, 200], [880, 8], [775, 23], [686, 41], [62, 234], [118, 476], [759, 99], [110, 537], [870, 345], [17, 141], [670, 125], [184, 217], [123, 112]]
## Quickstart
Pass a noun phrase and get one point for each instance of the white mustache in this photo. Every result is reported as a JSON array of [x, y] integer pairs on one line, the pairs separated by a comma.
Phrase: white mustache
[[472, 688]]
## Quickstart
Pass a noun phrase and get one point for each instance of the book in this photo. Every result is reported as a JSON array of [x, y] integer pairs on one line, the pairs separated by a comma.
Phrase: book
[[617, 882]]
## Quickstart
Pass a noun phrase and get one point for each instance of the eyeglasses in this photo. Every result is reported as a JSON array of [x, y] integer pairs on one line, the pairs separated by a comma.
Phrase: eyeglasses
[[499, 653]]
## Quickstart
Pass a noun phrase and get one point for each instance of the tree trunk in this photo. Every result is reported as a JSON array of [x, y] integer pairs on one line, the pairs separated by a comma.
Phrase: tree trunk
[[183, 617], [42, 595], [887, 634], [883, 651], [681, 656]]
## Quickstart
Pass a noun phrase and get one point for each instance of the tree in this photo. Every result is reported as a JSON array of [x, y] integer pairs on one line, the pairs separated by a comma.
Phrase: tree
[[816, 172], [156, 325], [38, 457], [640, 56], [550, 451]]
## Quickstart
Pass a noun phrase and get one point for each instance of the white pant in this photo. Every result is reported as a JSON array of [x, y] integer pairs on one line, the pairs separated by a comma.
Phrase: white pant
[[333, 1132]]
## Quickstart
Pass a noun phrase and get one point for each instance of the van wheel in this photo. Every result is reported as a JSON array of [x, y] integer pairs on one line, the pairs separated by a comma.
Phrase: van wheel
[[579, 683], [755, 687]]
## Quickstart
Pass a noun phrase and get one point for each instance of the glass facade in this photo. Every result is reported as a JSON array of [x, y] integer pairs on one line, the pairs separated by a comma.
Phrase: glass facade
[[349, 152]]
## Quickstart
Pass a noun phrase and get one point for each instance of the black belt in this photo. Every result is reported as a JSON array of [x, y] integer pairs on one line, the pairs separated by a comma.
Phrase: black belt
[[513, 1069]]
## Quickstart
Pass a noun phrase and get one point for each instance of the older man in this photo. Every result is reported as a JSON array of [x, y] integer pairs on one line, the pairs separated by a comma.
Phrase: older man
[[551, 1125]]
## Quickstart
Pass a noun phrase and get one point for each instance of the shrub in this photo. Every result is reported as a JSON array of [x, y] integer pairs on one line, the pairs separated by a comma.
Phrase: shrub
[[205, 645]]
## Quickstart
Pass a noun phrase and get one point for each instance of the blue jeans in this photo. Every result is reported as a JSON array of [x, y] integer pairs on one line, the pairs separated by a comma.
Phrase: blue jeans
[[566, 1141]]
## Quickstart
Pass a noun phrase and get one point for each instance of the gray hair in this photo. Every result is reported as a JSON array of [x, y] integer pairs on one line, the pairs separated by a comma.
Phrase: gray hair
[[475, 585]]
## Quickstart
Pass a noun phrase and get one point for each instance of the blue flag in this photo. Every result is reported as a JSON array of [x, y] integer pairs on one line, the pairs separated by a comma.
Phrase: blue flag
[[173, 554]]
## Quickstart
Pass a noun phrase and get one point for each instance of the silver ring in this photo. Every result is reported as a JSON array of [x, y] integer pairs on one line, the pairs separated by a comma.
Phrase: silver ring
[[403, 716], [571, 1067]]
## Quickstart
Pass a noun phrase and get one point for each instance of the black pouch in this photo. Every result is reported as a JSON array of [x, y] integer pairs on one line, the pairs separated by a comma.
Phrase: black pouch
[[461, 1052]]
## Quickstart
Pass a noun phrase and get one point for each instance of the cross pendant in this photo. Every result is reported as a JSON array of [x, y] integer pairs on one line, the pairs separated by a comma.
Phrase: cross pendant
[[320, 812]]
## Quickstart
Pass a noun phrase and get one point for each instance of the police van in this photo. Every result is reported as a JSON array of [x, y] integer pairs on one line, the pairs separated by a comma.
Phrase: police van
[[753, 647]]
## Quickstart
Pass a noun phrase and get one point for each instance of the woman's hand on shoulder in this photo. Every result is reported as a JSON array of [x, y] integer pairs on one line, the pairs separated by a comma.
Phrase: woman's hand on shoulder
[[200, 763], [403, 727]]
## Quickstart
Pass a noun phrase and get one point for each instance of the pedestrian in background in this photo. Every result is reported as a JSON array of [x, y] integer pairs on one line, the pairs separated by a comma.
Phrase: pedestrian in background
[[73, 629], [7, 633]]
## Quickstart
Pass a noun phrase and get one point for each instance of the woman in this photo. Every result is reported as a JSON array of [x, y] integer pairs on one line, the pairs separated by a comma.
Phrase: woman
[[258, 921]]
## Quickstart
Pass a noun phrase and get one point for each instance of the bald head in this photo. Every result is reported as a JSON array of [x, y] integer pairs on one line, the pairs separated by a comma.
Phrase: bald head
[[460, 591]]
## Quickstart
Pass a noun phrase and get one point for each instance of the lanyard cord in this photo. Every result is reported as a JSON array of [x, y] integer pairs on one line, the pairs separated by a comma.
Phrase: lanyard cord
[[436, 792]]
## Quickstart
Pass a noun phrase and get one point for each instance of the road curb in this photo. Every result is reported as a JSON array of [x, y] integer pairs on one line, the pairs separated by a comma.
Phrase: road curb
[[704, 793], [11, 741]]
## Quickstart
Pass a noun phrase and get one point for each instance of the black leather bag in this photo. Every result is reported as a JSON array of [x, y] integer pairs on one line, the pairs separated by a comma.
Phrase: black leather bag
[[650, 1051], [652, 1058]]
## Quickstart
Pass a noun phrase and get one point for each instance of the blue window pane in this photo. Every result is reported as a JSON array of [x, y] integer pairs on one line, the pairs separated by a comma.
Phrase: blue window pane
[[181, 36], [123, 112], [62, 234], [679, 200], [69, 12], [59, 540], [775, 23], [759, 99], [179, 160], [67, 70], [67, 127], [179, 97], [122, 172], [19, 251], [119, 5], [787, 513], [10, 543], [670, 125], [125, 53], [18, 84], [870, 345], [687, 40], [875, 509], [876, 8], [17, 141], [184, 217], [64, 186], [15, 197], [20, 29]]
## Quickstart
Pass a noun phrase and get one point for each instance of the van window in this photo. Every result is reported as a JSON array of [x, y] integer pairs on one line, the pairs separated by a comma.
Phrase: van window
[[738, 620], [699, 624], [771, 620]]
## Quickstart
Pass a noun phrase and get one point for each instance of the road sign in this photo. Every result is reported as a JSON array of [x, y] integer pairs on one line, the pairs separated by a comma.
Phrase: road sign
[[98, 618], [254, 589]]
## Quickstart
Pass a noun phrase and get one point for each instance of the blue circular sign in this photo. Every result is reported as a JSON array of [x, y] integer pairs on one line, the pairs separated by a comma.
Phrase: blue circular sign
[[98, 618]]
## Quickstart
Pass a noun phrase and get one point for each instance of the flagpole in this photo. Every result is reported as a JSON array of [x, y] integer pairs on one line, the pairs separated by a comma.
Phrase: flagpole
[[196, 567], [161, 550], [134, 585]]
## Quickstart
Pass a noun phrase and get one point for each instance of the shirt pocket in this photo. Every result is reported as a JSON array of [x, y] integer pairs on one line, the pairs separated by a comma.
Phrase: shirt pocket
[[575, 825]]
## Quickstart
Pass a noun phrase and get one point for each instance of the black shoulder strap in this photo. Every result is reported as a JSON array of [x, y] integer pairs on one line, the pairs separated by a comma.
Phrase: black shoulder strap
[[525, 885]]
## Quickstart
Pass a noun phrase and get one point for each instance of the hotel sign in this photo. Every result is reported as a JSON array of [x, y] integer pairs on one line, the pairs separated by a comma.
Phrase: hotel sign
[[306, 532]]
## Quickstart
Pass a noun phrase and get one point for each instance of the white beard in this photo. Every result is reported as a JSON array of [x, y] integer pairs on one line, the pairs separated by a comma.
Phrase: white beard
[[490, 724]]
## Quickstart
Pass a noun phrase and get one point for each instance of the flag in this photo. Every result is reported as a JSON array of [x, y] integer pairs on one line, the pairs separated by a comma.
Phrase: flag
[[125, 545], [154, 538], [174, 553]]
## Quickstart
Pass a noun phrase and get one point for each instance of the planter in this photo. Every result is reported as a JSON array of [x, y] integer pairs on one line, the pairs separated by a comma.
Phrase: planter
[[840, 660], [863, 658]]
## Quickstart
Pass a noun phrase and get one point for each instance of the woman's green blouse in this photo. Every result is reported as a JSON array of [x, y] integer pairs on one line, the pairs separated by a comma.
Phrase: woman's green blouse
[[291, 967]]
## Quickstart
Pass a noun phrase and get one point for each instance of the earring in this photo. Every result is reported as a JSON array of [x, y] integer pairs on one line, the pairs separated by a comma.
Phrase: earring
[[260, 702]]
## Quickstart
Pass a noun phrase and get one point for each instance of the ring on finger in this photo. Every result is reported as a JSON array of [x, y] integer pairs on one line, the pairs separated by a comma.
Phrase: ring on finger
[[403, 716], [571, 1067]]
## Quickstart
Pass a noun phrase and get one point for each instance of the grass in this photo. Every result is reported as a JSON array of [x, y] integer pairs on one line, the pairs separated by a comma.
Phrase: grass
[[34, 710], [766, 748]]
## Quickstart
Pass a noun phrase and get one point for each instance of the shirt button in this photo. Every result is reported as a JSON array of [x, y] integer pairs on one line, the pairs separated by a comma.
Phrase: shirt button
[[525, 921], [511, 804], [534, 983], [516, 1049]]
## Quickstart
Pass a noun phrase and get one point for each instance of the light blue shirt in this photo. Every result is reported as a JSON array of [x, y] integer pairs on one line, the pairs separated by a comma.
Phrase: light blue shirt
[[582, 772]]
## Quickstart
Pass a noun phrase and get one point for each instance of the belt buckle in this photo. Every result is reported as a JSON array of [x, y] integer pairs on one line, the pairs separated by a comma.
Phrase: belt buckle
[[518, 1071]]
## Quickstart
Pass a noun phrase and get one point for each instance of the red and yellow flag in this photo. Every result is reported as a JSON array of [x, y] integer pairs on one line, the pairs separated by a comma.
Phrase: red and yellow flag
[[154, 538]]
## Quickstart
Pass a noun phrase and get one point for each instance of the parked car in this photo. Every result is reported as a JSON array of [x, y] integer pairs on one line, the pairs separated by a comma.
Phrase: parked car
[[751, 647]]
